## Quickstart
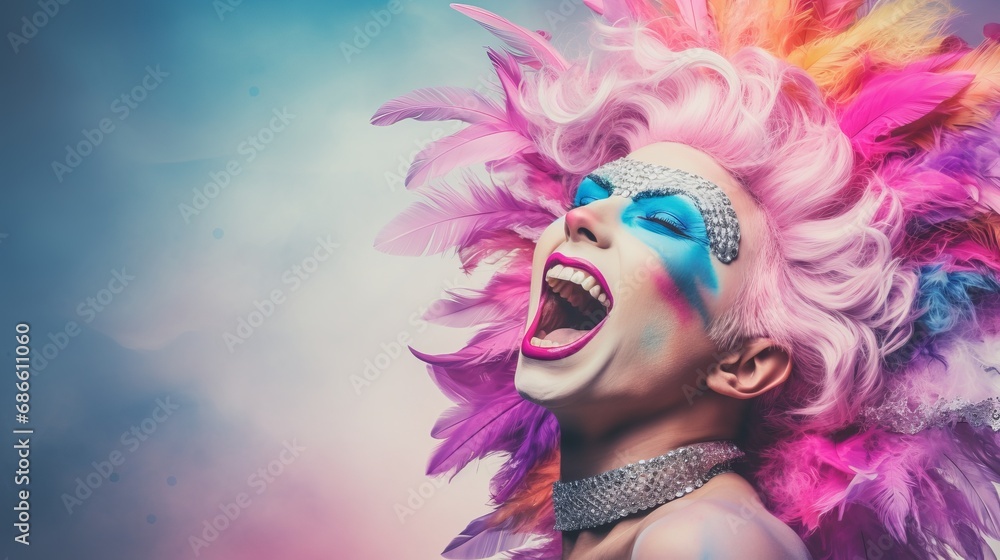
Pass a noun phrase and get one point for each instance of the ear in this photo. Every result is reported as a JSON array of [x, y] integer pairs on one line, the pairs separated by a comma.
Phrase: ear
[[755, 369]]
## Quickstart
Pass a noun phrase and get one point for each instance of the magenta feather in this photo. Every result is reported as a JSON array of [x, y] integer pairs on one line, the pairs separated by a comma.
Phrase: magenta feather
[[440, 104], [837, 14], [450, 219], [891, 101], [927, 492], [504, 298], [509, 73], [530, 48]]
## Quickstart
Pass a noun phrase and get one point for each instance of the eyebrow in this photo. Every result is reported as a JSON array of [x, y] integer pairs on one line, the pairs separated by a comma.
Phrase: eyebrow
[[601, 182], [650, 193]]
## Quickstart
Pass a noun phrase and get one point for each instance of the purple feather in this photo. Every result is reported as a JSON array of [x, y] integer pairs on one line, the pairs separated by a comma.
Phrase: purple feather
[[483, 539]]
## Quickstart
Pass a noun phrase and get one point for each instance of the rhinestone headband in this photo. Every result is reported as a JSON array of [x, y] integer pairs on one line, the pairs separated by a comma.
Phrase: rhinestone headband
[[612, 495], [636, 179], [895, 414]]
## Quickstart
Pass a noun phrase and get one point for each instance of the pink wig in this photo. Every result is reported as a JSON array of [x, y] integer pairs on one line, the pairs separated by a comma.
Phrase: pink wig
[[867, 137]]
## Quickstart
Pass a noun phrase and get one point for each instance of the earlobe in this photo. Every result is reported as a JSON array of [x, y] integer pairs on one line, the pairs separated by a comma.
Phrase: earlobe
[[751, 371]]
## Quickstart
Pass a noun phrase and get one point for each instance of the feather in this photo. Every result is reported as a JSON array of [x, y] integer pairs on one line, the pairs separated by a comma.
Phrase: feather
[[694, 13], [509, 74], [979, 102], [837, 14], [480, 432], [491, 250], [531, 503], [449, 219], [889, 102], [897, 31], [529, 48], [597, 6], [440, 104], [613, 11], [483, 539], [504, 298], [476, 144]]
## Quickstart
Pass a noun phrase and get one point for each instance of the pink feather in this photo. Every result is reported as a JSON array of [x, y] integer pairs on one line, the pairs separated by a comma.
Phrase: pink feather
[[530, 48], [892, 101], [450, 219], [440, 104], [596, 6], [476, 144], [694, 13]]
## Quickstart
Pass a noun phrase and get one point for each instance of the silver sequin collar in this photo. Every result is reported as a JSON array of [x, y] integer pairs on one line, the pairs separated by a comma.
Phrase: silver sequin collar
[[610, 496], [636, 179]]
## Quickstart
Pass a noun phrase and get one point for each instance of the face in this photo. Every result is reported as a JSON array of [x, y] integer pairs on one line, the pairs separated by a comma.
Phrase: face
[[623, 291]]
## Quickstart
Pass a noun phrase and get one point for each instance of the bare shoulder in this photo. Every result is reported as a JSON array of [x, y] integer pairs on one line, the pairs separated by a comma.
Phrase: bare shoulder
[[720, 529]]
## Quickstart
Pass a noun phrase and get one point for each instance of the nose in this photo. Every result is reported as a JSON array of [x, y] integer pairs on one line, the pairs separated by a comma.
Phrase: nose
[[587, 224]]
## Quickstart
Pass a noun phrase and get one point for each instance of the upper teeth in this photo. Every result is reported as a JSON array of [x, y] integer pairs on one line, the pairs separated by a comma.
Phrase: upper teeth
[[584, 279]]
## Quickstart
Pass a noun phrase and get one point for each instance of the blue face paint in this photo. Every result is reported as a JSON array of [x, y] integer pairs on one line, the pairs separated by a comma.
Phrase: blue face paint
[[675, 230], [588, 192]]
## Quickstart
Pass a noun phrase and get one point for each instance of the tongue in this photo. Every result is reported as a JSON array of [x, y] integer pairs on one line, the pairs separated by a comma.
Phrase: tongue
[[564, 336]]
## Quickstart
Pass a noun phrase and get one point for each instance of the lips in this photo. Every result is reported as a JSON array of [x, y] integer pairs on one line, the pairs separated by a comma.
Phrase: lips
[[573, 305]]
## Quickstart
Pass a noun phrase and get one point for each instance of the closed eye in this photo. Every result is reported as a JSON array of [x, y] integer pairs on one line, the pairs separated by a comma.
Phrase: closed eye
[[668, 221]]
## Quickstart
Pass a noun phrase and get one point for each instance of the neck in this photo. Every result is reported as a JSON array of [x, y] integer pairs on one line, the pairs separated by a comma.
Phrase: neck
[[588, 450]]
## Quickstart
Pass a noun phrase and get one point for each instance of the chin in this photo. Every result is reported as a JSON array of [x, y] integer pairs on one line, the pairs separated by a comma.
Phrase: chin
[[565, 344]]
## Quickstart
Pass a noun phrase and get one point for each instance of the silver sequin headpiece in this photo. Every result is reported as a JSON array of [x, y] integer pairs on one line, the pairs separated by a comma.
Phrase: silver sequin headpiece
[[636, 179]]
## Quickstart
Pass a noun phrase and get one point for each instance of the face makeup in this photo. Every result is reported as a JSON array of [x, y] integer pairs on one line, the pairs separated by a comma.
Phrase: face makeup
[[683, 218]]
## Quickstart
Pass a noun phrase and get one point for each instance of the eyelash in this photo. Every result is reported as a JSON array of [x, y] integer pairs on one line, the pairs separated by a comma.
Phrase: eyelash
[[674, 226], [671, 225]]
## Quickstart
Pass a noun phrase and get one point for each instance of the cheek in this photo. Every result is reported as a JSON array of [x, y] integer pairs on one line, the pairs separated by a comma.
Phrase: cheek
[[683, 276]]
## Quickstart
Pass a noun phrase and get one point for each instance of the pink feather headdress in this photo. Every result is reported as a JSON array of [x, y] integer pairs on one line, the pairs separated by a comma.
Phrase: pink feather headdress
[[902, 462]]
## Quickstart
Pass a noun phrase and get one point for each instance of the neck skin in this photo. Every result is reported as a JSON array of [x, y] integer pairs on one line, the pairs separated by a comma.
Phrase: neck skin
[[590, 447]]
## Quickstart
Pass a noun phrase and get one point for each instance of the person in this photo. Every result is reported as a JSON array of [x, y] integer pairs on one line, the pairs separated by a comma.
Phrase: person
[[744, 298]]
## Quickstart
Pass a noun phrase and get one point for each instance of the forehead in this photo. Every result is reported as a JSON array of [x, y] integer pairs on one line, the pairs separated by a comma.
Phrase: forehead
[[636, 179]]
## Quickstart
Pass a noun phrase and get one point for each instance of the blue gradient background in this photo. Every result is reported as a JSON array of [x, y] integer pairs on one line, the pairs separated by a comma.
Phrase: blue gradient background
[[357, 488]]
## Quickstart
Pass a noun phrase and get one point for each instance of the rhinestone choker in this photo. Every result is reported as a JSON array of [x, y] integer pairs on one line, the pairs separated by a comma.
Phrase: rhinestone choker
[[612, 495]]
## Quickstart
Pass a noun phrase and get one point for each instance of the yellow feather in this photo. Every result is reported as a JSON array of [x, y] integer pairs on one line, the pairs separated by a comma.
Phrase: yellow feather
[[895, 33], [978, 102]]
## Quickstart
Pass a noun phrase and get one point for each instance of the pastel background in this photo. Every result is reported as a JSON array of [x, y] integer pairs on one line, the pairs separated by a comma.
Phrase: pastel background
[[230, 350]]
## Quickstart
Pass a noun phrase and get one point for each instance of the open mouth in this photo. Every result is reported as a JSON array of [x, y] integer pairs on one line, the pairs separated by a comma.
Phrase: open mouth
[[574, 303]]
